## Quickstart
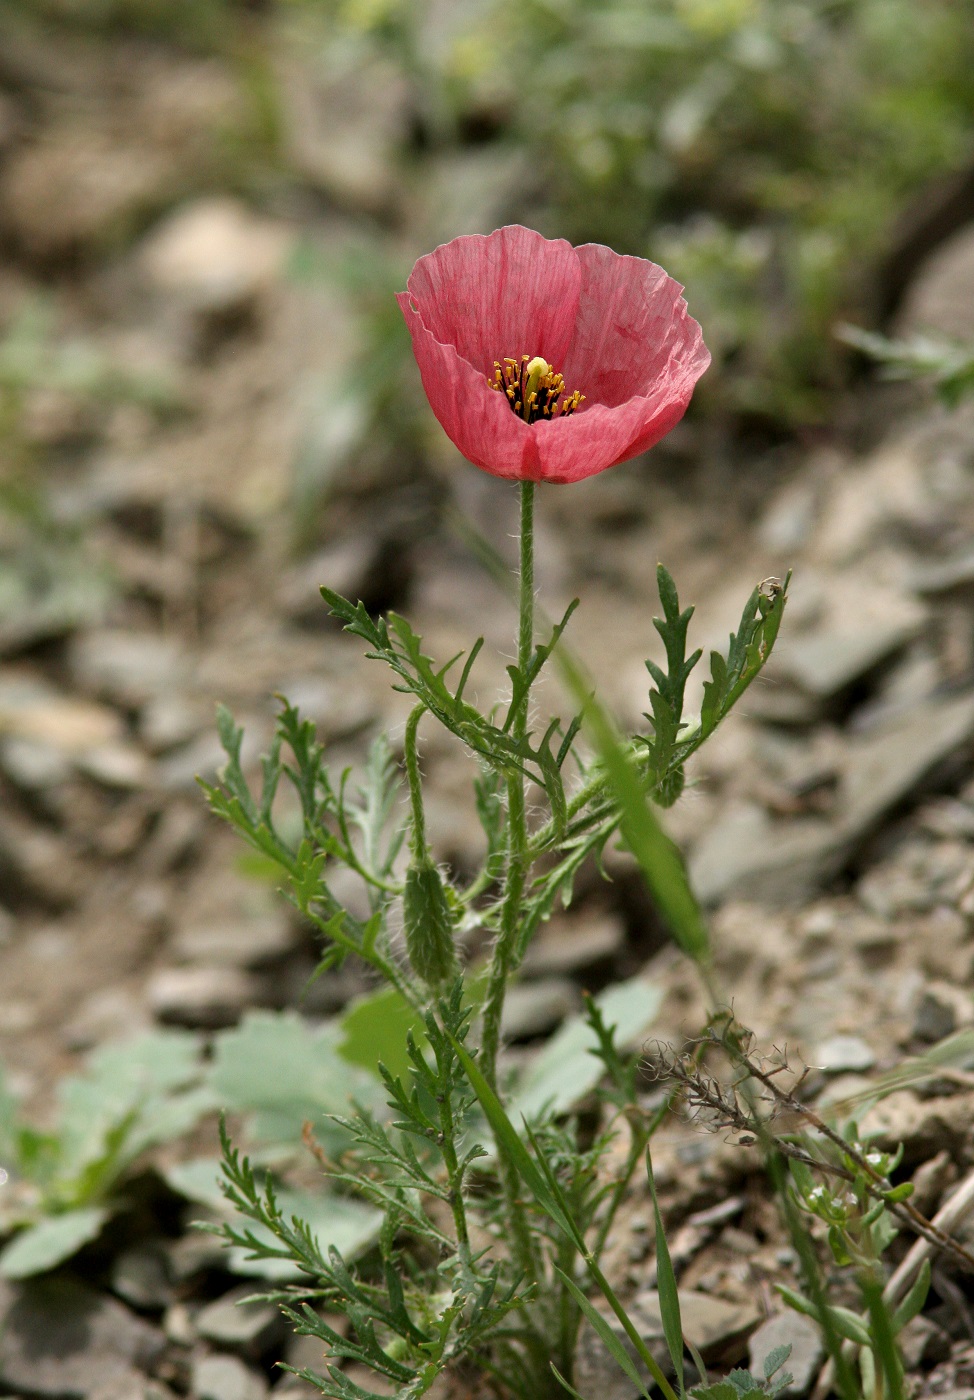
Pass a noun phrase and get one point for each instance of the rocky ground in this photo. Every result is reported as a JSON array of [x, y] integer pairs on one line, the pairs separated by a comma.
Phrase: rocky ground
[[164, 413]]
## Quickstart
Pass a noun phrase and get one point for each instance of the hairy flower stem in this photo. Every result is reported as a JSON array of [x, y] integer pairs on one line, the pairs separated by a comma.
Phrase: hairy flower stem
[[518, 857], [414, 780], [518, 861]]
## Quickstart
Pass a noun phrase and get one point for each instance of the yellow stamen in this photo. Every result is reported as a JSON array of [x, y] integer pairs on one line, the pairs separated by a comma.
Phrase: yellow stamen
[[534, 388]]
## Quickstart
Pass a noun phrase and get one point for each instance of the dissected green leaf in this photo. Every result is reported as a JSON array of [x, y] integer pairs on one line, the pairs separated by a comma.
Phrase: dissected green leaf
[[335, 1222]]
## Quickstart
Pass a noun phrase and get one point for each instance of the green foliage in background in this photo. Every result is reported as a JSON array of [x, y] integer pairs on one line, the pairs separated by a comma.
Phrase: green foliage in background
[[761, 150]]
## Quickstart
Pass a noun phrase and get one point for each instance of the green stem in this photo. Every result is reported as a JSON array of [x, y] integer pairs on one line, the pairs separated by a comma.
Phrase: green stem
[[517, 833], [518, 862], [414, 779]]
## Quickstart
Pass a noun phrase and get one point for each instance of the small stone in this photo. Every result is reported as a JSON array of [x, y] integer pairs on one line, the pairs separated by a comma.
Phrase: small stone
[[534, 1008], [179, 1326], [843, 1054], [235, 1323], [940, 1010], [115, 766], [131, 1386], [717, 1329], [807, 1352], [566, 946], [168, 721], [748, 855], [938, 298], [225, 1378], [243, 942], [194, 1253], [825, 663], [214, 255], [140, 1277], [201, 997], [923, 1342], [59, 1338], [125, 667], [887, 767], [34, 766]]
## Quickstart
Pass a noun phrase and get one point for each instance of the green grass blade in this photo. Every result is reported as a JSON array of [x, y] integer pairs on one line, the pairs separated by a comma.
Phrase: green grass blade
[[660, 861], [509, 1142], [882, 1339], [612, 1343], [564, 1384], [669, 1298]]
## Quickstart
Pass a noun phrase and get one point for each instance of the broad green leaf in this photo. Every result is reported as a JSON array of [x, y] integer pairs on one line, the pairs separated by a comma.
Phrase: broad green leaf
[[567, 1068], [130, 1096], [52, 1240], [374, 1028], [287, 1073], [336, 1221]]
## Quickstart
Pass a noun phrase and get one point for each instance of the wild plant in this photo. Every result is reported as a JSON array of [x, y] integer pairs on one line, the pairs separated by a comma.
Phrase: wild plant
[[469, 1268]]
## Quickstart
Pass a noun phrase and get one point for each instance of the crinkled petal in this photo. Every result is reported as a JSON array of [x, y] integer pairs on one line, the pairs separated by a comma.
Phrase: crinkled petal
[[616, 327], [477, 419], [588, 442], [632, 322], [510, 292]]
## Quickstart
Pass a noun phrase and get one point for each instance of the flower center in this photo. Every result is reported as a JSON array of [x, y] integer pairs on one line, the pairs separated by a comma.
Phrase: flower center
[[533, 388]]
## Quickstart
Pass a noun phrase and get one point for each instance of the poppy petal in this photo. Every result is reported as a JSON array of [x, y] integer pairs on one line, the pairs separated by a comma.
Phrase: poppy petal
[[510, 292]]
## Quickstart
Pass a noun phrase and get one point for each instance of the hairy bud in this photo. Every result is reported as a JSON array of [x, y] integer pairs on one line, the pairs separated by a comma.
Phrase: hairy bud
[[428, 924], [669, 788]]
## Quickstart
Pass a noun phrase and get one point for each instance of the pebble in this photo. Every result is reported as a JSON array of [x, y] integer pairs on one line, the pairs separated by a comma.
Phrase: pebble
[[243, 942], [126, 667], [825, 663], [61, 1338], [717, 1329], [807, 1352], [235, 1323], [140, 1277], [534, 1008], [214, 255], [842, 1054], [225, 1378], [941, 1009], [201, 997], [566, 946]]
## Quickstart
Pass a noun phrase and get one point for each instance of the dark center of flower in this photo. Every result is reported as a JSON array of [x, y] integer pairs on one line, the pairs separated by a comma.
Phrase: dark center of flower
[[533, 388]]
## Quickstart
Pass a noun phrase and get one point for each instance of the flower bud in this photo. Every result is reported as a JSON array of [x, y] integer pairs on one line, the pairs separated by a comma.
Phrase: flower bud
[[428, 923], [669, 788]]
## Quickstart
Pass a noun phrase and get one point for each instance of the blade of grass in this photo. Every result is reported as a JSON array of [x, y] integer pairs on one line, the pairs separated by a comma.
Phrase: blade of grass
[[549, 1196], [669, 1298], [660, 861], [883, 1340], [612, 1344]]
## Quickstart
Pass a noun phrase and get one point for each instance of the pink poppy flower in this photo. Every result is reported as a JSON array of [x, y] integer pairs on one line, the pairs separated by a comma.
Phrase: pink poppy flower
[[545, 362]]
